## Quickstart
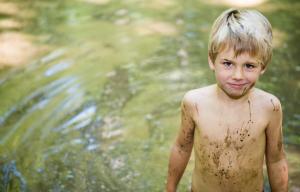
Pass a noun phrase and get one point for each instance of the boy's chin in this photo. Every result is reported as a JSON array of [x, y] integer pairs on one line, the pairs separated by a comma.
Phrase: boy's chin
[[236, 94]]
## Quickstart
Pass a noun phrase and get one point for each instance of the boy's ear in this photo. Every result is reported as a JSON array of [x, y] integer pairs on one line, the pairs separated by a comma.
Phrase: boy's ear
[[211, 64], [263, 69]]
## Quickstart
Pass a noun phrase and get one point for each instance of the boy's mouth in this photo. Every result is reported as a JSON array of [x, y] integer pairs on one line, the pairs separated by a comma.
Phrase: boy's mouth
[[237, 85]]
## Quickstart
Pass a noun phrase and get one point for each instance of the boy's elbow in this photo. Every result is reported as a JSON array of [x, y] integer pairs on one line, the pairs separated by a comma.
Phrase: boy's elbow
[[275, 156]]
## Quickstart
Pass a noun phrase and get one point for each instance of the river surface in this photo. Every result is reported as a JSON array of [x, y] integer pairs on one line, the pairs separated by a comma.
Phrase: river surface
[[90, 90]]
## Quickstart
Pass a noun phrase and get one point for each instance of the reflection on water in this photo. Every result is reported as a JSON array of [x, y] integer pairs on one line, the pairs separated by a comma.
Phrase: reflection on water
[[94, 103]]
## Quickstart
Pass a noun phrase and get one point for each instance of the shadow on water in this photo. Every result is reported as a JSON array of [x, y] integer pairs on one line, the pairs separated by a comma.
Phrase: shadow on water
[[96, 106]]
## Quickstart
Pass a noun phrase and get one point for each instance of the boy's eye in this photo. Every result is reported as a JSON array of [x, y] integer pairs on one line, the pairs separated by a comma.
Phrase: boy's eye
[[227, 64], [249, 66]]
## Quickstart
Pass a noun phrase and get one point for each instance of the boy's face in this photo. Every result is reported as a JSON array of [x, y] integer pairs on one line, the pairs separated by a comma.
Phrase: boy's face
[[236, 75]]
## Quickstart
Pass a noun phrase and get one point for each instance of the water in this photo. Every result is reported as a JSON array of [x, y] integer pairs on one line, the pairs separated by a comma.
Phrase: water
[[95, 104]]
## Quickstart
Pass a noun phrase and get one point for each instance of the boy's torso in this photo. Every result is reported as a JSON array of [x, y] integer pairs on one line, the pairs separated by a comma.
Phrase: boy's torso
[[229, 143]]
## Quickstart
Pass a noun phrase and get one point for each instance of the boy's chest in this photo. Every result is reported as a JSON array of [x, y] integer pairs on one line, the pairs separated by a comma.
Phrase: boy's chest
[[219, 123]]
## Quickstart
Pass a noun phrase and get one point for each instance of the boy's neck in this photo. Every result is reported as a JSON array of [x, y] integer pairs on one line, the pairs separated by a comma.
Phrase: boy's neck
[[222, 96]]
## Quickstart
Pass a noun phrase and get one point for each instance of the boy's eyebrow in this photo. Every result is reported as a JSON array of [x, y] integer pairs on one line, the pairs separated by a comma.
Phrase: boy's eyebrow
[[228, 60], [247, 62]]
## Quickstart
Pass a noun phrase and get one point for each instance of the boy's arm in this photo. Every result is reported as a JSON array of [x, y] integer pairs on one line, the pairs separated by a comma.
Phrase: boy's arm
[[275, 157], [182, 147]]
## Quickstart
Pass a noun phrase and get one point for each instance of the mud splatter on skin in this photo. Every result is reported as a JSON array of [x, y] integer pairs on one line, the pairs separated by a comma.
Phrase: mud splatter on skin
[[182, 149], [221, 158], [240, 135], [243, 132], [216, 157], [185, 116], [184, 113], [187, 141], [172, 172], [224, 173], [189, 136], [279, 144], [228, 138], [244, 90], [221, 161], [234, 140], [250, 113], [204, 158], [188, 131], [274, 107], [254, 174]]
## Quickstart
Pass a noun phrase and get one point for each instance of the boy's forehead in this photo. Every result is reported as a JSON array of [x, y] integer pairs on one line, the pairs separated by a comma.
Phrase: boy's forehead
[[230, 54]]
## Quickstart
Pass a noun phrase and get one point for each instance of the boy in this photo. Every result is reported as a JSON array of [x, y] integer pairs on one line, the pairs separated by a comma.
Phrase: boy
[[231, 124]]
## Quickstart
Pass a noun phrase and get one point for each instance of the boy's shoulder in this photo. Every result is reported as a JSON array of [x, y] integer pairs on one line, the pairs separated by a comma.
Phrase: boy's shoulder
[[266, 100], [196, 95]]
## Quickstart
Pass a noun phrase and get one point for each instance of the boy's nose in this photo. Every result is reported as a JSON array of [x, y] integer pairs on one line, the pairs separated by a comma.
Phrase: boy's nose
[[237, 74]]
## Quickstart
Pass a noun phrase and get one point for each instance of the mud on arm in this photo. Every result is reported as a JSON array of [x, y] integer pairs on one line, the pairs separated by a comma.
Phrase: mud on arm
[[182, 147], [275, 156]]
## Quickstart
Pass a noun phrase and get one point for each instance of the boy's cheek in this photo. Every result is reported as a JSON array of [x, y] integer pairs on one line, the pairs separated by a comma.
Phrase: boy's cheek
[[222, 73], [256, 76]]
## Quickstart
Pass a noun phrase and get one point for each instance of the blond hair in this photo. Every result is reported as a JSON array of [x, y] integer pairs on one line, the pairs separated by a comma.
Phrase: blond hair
[[246, 31]]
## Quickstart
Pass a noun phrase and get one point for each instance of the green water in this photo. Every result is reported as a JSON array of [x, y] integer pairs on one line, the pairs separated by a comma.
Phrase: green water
[[98, 108]]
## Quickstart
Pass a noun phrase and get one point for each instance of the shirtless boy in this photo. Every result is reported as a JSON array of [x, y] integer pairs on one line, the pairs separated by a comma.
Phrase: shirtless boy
[[232, 125]]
